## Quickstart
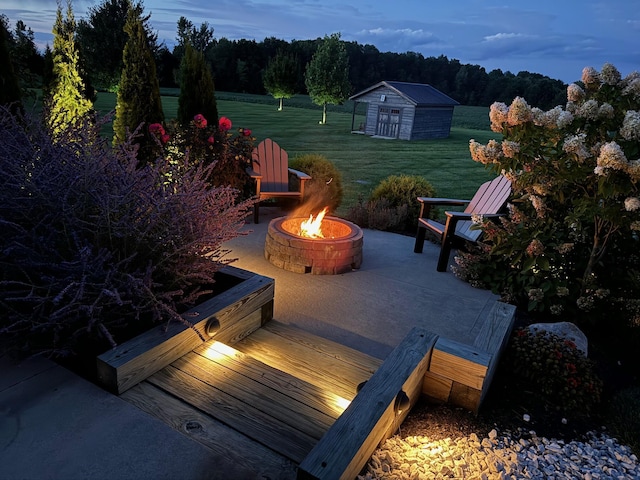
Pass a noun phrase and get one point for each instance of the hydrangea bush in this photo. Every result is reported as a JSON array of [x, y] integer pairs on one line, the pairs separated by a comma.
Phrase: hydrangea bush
[[93, 245], [570, 242]]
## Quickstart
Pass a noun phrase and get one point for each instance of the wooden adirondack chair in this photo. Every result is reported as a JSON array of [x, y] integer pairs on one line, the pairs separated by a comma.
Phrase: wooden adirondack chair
[[271, 172], [488, 201]]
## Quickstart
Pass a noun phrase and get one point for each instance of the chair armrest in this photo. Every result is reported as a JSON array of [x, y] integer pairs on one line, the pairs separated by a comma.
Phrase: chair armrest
[[468, 216], [427, 202], [299, 174], [442, 201], [253, 174]]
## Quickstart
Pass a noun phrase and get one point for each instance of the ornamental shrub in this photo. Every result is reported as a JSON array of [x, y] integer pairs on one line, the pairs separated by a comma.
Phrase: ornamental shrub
[[95, 247], [400, 192], [555, 368], [570, 242], [325, 186], [197, 91], [225, 154]]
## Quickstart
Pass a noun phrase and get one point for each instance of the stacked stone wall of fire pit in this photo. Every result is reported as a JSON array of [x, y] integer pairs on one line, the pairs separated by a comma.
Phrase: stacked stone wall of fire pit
[[339, 252]]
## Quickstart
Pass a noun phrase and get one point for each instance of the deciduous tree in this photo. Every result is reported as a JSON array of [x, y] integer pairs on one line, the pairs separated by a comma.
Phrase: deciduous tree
[[281, 76], [327, 74]]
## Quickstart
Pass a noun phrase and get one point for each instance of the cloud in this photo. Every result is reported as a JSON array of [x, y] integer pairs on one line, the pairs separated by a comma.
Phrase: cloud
[[396, 40]]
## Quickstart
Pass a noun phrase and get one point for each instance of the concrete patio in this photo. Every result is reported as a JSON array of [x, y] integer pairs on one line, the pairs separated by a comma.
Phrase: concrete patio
[[54, 424]]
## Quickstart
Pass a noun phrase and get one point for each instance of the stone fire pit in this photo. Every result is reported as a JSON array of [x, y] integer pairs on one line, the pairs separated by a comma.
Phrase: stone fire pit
[[340, 250]]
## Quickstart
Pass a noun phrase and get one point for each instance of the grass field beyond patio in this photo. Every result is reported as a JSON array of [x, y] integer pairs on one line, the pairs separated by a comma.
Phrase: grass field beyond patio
[[362, 160]]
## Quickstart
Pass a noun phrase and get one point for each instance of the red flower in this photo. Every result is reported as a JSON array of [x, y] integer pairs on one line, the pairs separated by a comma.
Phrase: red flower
[[570, 344], [211, 140], [571, 368], [200, 121], [247, 132], [224, 124], [156, 129], [164, 138]]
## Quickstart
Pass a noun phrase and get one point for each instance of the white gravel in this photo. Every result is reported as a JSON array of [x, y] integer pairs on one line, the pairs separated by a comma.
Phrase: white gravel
[[502, 457]]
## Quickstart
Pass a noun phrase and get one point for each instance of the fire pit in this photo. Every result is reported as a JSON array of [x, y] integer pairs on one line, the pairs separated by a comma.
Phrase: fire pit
[[337, 249]]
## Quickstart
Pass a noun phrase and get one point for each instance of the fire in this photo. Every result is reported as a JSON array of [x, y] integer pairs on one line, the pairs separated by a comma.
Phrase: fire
[[312, 228]]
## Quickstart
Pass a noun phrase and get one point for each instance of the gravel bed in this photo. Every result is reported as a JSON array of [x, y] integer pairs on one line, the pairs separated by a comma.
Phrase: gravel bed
[[502, 456]]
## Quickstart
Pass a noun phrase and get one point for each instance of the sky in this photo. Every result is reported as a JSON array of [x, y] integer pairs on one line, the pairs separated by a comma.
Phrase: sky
[[555, 38]]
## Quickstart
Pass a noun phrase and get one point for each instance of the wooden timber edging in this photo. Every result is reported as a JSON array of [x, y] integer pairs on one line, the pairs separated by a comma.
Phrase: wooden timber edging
[[375, 412], [461, 374], [135, 360]]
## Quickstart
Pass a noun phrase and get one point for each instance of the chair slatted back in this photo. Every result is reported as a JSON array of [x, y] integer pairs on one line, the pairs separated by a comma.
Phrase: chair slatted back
[[490, 198], [272, 162]]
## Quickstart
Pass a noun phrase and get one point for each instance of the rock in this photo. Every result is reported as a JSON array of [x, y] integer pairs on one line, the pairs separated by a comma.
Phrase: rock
[[566, 330]]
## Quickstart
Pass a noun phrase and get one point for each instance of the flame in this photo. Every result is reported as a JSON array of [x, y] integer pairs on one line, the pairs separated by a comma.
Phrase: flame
[[312, 228]]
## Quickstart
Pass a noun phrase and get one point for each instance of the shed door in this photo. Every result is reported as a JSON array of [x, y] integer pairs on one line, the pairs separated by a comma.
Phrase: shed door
[[388, 122]]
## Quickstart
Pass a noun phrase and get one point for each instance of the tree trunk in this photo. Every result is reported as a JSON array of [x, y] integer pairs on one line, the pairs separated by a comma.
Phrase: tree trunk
[[280, 107], [324, 114]]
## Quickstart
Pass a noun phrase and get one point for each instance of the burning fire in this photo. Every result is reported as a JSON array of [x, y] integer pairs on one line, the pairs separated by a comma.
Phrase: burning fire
[[312, 228]]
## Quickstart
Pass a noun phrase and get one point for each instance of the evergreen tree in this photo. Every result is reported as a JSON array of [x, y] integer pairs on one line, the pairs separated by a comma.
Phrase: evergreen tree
[[281, 76], [327, 74], [138, 103], [197, 92], [9, 88], [47, 72], [67, 104], [101, 41]]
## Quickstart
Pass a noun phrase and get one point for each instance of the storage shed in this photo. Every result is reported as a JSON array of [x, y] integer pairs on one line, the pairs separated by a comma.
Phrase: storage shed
[[408, 111]]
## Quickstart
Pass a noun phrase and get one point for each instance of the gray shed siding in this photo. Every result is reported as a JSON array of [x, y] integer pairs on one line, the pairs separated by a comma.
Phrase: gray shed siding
[[432, 122], [404, 117]]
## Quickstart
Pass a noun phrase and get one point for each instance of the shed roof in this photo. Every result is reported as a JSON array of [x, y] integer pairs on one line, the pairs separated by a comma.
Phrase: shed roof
[[420, 94]]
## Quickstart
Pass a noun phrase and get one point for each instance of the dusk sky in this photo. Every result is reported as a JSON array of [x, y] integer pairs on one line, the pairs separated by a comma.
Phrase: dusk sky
[[556, 38]]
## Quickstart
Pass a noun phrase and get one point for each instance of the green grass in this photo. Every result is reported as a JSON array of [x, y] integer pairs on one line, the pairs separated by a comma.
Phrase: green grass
[[362, 160]]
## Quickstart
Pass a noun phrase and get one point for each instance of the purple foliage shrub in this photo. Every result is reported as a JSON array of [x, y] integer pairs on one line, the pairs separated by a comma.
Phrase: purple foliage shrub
[[91, 246]]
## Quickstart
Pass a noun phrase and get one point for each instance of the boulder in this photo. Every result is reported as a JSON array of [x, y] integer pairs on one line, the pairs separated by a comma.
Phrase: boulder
[[566, 330]]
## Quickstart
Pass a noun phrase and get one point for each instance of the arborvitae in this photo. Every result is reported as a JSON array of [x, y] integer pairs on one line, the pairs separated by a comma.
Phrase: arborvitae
[[9, 87], [138, 102], [67, 104], [197, 92]]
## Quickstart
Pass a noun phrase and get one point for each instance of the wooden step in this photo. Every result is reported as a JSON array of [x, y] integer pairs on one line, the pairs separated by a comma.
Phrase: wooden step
[[328, 365]]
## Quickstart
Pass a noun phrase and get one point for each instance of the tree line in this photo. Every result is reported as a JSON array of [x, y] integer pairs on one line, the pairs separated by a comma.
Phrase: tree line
[[242, 65]]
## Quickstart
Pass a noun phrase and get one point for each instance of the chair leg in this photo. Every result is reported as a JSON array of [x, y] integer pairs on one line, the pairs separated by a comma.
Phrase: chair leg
[[443, 259], [256, 212], [420, 240]]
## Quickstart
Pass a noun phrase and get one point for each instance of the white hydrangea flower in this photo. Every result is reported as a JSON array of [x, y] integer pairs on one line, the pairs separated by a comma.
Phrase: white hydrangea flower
[[519, 112], [576, 144], [590, 77], [610, 74], [631, 126], [575, 93], [612, 156], [632, 204], [498, 115], [589, 110]]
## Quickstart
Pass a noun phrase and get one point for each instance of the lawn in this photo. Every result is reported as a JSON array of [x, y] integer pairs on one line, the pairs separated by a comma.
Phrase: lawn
[[362, 160]]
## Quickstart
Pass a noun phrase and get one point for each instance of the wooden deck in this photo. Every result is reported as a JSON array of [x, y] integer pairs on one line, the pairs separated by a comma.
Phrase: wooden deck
[[266, 401], [283, 403]]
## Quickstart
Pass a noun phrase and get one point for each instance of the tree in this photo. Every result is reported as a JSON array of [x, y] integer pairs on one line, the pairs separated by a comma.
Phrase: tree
[[9, 87], [67, 105], [281, 76], [327, 74], [101, 41], [200, 39], [138, 100], [197, 92]]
